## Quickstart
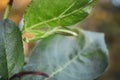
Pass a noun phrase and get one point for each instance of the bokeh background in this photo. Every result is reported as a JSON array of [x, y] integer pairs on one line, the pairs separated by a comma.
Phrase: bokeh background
[[105, 18]]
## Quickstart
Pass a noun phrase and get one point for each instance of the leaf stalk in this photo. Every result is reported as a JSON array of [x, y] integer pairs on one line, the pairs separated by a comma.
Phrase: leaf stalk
[[53, 31]]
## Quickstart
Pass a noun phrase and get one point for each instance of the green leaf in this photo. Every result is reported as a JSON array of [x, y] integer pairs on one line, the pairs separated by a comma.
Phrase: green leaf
[[11, 50], [45, 13], [69, 57]]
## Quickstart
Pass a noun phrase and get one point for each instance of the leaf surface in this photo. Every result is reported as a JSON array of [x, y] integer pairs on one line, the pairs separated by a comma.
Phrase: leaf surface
[[68, 57], [11, 50], [45, 13]]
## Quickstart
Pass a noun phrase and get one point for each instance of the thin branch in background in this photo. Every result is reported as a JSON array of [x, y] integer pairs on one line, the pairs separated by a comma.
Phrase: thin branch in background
[[8, 9]]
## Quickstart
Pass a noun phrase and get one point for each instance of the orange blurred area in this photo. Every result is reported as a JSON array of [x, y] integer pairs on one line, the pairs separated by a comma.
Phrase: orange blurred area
[[3, 4], [27, 46]]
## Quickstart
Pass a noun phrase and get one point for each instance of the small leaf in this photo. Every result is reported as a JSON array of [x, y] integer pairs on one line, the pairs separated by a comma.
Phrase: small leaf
[[69, 57], [11, 50], [42, 13]]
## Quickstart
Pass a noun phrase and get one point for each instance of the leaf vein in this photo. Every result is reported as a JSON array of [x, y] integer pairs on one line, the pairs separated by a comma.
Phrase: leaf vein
[[53, 19]]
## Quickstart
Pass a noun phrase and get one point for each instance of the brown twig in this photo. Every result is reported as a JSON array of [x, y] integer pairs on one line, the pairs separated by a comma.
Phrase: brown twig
[[20, 74]]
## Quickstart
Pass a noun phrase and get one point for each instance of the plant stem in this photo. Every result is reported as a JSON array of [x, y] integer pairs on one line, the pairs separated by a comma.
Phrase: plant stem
[[8, 9], [67, 32], [48, 33], [20, 74]]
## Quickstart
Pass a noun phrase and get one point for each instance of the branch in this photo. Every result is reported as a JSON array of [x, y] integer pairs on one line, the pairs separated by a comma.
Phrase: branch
[[8, 9], [20, 74]]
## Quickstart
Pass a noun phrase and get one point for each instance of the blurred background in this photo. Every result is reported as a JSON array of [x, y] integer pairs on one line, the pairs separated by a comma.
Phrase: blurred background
[[105, 18]]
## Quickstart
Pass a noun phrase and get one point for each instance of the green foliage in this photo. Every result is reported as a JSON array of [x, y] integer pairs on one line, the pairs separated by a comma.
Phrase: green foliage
[[69, 57], [54, 13], [47, 14], [11, 50], [64, 53]]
